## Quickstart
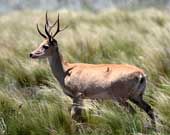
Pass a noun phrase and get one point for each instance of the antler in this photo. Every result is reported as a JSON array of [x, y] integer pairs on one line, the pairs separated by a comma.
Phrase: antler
[[44, 36], [49, 27], [58, 27], [47, 23]]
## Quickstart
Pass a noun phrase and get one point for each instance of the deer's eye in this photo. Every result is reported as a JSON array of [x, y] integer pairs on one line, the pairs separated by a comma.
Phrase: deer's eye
[[45, 46]]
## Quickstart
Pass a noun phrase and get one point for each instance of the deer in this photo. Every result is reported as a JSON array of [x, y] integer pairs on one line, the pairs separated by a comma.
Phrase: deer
[[79, 81]]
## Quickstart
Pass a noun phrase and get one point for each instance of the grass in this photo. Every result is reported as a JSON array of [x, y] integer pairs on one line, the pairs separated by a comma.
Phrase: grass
[[31, 100]]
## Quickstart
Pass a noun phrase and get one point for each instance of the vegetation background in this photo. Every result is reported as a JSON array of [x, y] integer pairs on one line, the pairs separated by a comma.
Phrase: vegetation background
[[32, 102]]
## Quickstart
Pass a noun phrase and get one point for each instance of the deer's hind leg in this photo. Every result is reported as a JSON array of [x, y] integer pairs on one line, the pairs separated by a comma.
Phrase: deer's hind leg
[[146, 107]]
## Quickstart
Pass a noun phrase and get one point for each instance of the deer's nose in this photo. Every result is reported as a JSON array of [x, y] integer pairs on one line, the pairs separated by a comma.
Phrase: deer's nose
[[31, 54]]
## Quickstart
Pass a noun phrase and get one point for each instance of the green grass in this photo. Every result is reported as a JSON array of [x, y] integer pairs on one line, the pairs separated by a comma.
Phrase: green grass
[[31, 100]]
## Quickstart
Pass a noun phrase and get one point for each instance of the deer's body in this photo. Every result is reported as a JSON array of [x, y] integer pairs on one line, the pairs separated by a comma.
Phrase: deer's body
[[120, 82], [106, 81], [97, 81]]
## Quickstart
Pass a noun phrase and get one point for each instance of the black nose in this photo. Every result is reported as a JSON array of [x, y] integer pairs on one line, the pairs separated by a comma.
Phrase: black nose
[[30, 54]]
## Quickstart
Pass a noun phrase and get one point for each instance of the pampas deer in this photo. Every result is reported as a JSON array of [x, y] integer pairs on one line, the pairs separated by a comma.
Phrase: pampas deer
[[120, 82]]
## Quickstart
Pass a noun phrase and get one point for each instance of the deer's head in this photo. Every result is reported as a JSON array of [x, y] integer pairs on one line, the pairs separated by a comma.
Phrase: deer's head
[[49, 45]]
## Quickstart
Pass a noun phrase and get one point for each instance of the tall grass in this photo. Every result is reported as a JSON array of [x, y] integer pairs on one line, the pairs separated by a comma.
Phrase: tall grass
[[32, 102]]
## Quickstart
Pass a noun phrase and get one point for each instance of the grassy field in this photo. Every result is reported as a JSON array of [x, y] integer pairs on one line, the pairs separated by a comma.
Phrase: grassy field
[[32, 102]]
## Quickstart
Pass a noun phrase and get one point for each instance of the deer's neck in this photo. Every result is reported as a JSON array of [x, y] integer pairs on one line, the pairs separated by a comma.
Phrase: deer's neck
[[57, 66]]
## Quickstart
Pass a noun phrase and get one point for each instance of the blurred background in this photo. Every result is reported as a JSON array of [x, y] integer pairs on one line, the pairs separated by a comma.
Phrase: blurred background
[[134, 32], [93, 5]]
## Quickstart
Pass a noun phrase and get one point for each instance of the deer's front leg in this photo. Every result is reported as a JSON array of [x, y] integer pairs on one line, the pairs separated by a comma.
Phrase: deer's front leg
[[76, 109]]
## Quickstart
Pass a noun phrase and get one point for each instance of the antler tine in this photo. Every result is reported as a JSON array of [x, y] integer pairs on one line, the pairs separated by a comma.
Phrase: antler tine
[[46, 31], [44, 36], [58, 27], [46, 19], [49, 27], [64, 28]]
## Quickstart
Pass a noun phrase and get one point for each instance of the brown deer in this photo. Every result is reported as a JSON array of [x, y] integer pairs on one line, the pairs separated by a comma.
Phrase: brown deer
[[120, 82]]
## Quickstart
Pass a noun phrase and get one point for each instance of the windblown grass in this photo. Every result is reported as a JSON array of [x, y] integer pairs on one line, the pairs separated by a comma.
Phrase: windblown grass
[[32, 102]]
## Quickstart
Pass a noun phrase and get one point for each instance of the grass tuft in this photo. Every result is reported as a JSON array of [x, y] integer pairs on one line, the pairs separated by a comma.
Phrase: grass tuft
[[32, 102]]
